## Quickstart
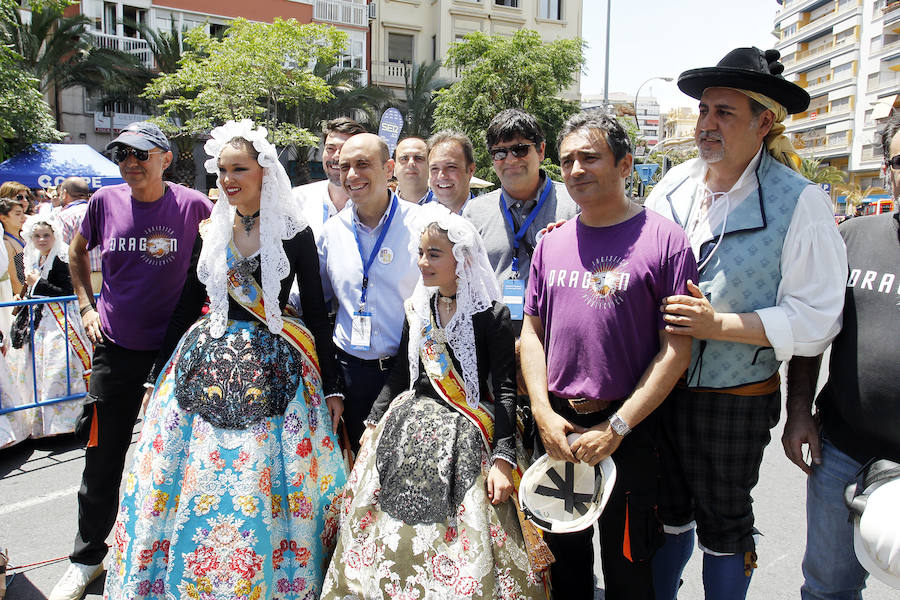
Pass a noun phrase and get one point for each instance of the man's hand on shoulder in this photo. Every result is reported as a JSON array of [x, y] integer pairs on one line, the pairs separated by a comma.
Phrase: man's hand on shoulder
[[596, 443]]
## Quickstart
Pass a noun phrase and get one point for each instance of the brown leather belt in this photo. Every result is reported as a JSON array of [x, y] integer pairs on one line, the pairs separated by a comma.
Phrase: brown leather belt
[[586, 406]]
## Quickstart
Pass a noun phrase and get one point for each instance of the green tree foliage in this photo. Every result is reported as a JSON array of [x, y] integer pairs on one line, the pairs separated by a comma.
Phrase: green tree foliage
[[499, 72], [422, 83], [258, 71], [58, 51], [816, 172], [25, 117], [348, 99]]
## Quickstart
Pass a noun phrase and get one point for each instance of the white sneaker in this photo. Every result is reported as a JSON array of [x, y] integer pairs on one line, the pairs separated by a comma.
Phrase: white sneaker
[[75, 581]]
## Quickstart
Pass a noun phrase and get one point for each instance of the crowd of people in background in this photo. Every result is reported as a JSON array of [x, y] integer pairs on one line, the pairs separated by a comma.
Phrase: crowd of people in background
[[343, 382]]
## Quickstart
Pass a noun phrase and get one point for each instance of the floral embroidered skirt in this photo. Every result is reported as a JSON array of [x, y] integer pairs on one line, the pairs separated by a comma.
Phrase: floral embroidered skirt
[[416, 521], [238, 513]]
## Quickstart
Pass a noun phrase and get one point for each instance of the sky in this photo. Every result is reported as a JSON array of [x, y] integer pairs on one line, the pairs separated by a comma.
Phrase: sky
[[662, 38]]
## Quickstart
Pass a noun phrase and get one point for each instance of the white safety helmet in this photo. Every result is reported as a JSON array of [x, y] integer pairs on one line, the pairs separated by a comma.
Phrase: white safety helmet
[[564, 497], [876, 521]]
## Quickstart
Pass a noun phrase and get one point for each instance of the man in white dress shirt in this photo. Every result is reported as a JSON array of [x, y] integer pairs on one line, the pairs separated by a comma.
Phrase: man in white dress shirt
[[367, 267], [772, 267], [321, 200]]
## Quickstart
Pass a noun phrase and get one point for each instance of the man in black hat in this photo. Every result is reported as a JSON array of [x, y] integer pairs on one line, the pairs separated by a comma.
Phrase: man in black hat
[[758, 230], [145, 229]]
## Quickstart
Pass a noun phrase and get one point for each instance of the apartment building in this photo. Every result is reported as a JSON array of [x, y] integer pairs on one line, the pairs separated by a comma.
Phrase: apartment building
[[88, 121], [680, 123], [649, 120], [846, 54], [407, 32]]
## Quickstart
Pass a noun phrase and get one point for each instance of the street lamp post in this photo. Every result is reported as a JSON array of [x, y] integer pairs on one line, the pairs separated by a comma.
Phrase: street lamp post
[[638, 123]]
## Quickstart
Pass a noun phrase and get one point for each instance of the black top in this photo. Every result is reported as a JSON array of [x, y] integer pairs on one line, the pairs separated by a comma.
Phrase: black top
[[496, 350], [304, 265], [57, 283], [860, 404]]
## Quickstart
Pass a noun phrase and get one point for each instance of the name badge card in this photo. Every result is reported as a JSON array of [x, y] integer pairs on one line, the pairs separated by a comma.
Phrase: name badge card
[[514, 298], [361, 331]]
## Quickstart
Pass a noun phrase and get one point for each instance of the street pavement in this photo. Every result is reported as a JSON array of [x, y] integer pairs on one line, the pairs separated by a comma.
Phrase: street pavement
[[39, 480]]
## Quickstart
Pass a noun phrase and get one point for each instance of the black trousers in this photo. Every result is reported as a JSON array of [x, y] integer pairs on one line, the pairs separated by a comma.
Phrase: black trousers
[[363, 380], [625, 558], [116, 390]]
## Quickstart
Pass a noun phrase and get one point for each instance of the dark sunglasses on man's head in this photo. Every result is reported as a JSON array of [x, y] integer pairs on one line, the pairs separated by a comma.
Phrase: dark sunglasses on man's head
[[120, 154], [519, 151], [894, 162]]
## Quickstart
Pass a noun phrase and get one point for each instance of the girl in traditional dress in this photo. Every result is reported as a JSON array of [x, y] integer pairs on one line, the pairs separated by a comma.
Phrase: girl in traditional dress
[[234, 491], [428, 511], [14, 426], [12, 217], [46, 262]]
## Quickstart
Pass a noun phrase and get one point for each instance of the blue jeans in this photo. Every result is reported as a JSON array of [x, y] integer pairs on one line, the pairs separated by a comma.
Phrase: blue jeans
[[830, 568]]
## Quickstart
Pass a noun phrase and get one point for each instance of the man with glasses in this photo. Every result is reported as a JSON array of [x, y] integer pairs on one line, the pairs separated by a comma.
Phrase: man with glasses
[[73, 194], [858, 415], [146, 229], [759, 231], [510, 218], [411, 170]]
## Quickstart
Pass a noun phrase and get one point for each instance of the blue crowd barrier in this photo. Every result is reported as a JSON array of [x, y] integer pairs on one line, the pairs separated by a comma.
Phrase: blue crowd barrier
[[29, 305]]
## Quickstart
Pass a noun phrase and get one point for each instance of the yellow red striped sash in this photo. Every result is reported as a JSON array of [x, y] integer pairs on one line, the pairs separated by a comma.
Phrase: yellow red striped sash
[[76, 342]]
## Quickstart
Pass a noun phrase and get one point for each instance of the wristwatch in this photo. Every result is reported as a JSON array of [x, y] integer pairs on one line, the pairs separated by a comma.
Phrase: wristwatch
[[619, 425]]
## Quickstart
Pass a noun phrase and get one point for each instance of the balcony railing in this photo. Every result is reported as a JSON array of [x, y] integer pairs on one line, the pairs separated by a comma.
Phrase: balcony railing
[[822, 18], [393, 73], [136, 46], [341, 12]]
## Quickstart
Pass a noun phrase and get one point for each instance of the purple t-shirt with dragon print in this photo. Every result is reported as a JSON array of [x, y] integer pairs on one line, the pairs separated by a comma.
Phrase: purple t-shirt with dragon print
[[145, 249], [598, 291]]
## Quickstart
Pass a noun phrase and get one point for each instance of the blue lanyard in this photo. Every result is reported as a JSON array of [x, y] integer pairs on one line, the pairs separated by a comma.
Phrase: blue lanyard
[[518, 235], [367, 264], [14, 238], [324, 211], [427, 198]]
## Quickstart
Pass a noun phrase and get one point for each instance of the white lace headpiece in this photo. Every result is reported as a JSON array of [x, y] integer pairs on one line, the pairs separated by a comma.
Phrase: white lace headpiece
[[31, 255], [476, 290], [279, 219]]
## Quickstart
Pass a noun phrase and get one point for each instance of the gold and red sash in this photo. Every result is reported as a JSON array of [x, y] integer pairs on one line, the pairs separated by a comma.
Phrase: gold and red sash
[[448, 383], [247, 292], [78, 344]]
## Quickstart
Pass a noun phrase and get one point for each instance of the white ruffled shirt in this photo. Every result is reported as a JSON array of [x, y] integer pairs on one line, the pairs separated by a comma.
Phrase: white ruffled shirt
[[810, 297]]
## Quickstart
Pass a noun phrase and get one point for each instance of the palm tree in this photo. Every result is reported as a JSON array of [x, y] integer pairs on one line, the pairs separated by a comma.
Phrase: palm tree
[[58, 51], [421, 82], [813, 170], [363, 102], [854, 194]]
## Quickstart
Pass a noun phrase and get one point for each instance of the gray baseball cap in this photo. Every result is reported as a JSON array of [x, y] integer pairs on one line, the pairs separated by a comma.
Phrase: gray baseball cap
[[142, 135]]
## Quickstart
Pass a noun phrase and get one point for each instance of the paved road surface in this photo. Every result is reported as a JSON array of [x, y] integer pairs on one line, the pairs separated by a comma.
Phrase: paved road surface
[[39, 480]]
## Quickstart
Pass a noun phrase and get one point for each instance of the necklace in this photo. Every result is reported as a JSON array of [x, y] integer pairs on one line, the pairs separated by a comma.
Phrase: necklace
[[248, 220], [448, 300]]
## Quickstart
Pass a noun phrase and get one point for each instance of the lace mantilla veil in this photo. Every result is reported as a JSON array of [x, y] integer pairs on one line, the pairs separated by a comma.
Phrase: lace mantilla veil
[[476, 290], [279, 219], [31, 255]]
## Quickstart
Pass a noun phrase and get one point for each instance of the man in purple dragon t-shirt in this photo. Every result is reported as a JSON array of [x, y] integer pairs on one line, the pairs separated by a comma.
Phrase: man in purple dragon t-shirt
[[595, 354], [145, 229]]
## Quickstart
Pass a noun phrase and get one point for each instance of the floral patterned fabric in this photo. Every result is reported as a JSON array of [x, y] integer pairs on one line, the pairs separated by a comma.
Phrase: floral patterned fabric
[[475, 552], [214, 513], [50, 349]]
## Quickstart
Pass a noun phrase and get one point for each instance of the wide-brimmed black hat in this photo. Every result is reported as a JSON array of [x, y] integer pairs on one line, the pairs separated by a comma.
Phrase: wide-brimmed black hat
[[747, 69]]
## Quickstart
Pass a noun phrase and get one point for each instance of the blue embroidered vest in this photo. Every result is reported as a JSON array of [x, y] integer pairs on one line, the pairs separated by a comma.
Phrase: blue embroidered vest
[[744, 272]]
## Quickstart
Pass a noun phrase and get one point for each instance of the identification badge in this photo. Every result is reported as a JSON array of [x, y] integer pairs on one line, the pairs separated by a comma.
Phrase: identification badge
[[514, 298], [361, 331]]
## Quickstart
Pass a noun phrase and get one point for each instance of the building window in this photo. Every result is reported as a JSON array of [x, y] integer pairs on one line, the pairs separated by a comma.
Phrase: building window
[[789, 31], [400, 48], [217, 30], [550, 9], [510, 3]]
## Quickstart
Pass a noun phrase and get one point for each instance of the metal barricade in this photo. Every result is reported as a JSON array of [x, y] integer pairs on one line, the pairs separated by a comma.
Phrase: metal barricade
[[30, 304]]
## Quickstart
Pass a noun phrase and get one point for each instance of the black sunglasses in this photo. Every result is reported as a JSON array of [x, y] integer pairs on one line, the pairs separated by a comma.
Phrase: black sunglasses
[[894, 162], [120, 154], [519, 151], [21, 197]]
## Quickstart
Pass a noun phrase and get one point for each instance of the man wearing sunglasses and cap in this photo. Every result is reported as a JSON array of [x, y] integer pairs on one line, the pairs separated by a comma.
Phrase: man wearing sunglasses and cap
[[858, 414], [772, 267], [146, 229]]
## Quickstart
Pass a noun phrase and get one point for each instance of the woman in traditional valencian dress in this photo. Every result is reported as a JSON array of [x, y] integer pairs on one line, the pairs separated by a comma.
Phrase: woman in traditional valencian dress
[[62, 353], [234, 491], [427, 511]]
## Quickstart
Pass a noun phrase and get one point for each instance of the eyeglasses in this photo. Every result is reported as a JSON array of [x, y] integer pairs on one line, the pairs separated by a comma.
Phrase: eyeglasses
[[121, 153], [894, 162], [519, 151], [22, 197]]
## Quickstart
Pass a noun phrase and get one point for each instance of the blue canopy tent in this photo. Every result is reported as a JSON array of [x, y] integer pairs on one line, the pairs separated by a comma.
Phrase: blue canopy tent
[[45, 165]]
